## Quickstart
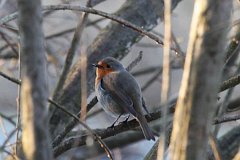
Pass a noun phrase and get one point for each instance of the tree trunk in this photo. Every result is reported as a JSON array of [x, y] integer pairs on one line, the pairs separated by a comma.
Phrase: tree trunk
[[201, 80], [34, 91]]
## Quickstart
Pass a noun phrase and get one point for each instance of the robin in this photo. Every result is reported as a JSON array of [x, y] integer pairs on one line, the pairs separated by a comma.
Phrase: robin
[[119, 93]]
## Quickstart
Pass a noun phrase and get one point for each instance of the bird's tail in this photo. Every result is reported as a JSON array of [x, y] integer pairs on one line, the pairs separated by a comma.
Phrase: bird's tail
[[145, 128]]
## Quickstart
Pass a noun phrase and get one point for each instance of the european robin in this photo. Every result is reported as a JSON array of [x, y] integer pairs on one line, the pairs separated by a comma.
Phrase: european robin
[[119, 93]]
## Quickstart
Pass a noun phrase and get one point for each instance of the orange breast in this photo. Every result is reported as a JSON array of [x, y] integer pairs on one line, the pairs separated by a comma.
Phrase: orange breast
[[100, 73]]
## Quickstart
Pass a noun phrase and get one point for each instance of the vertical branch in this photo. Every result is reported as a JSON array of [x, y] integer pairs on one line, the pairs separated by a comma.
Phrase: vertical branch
[[18, 100], [71, 52], [201, 80], [34, 90], [166, 74], [83, 86]]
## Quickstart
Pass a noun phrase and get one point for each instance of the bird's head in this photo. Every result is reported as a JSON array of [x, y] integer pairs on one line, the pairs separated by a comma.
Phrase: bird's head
[[106, 66]]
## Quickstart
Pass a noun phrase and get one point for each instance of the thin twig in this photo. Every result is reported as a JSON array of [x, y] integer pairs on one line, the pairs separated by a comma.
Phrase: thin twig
[[147, 45], [2, 126], [98, 138], [214, 147], [71, 52], [8, 18], [7, 118], [58, 139], [145, 71], [8, 138], [135, 62], [10, 28], [5, 47], [173, 39], [83, 64], [232, 56], [96, 12], [106, 133], [8, 56], [226, 118], [9, 44], [10, 154], [18, 100], [14, 80], [166, 77], [60, 33], [222, 109], [177, 44], [151, 80]]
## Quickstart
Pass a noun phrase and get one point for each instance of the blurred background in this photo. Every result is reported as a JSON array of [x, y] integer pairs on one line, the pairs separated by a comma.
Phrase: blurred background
[[59, 28]]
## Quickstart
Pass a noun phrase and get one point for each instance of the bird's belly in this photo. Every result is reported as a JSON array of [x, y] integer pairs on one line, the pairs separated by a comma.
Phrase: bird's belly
[[110, 106]]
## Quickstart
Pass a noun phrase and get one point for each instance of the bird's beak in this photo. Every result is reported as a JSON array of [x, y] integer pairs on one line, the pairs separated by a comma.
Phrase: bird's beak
[[97, 66]]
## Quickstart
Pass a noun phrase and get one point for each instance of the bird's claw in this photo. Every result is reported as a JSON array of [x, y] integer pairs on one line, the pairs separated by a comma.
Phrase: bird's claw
[[125, 121], [111, 127]]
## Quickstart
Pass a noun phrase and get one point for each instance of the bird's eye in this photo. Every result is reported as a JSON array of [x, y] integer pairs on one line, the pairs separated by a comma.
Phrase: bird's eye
[[108, 66]]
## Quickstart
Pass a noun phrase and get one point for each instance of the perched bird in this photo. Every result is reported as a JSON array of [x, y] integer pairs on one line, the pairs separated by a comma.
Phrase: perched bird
[[119, 93]]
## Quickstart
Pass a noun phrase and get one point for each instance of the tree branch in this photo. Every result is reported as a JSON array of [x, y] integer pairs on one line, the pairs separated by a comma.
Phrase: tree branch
[[226, 118], [96, 12], [109, 132], [71, 52], [34, 90], [94, 134], [231, 82]]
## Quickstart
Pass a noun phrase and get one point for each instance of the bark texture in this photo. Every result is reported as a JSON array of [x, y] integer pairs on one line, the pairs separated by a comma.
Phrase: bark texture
[[34, 91], [201, 80]]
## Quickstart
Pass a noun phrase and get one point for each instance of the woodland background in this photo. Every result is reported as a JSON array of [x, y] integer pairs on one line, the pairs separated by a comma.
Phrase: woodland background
[[71, 35]]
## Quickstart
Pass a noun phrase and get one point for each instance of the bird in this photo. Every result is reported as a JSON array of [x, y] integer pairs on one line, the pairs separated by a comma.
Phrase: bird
[[119, 93]]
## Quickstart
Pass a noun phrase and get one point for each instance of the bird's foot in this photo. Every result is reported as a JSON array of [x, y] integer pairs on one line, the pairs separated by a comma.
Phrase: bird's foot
[[125, 121], [111, 127]]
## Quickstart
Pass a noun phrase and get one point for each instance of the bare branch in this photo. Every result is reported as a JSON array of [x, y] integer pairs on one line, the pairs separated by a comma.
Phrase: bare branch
[[34, 91], [166, 77], [66, 31], [109, 132], [135, 62], [71, 52], [98, 138], [9, 44], [214, 147], [145, 71], [201, 80], [231, 82], [97, 12], [226, 118], [7, 118]]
